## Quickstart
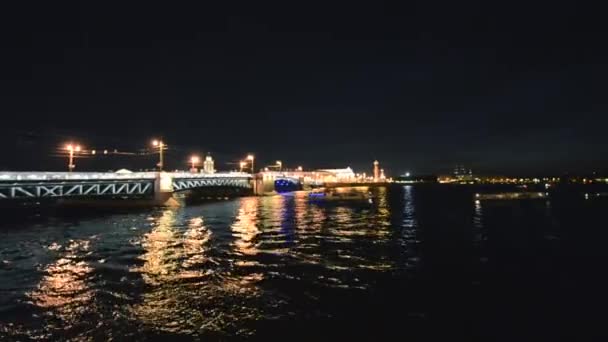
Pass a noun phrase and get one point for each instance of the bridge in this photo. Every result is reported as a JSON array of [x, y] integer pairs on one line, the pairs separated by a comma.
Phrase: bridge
[[305, 178], [158, 185]]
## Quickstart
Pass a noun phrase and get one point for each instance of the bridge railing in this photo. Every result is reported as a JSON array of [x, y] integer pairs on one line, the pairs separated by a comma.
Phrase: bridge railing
[[210, 175], [58, 176], [92, 176]]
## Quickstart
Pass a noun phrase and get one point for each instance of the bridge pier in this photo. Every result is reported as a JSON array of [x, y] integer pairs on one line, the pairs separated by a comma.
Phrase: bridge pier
[[258, 185], [163, 191]]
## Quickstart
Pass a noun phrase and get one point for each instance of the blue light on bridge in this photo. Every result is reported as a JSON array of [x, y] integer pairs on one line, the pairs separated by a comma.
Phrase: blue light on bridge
[[286, 185]]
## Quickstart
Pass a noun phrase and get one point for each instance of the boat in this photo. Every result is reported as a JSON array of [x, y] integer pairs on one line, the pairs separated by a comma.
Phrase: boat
[[512, 196], [335, 195]]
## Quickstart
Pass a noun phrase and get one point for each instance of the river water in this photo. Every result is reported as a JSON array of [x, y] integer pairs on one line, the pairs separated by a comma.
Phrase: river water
[[422, 262]]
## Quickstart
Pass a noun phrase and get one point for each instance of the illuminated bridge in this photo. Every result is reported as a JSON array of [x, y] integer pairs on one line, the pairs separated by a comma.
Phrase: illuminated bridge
[[40, 185]]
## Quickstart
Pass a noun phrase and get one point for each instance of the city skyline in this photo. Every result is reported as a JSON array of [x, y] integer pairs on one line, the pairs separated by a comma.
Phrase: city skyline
[[357, 171], [178, 157], [417, 89]]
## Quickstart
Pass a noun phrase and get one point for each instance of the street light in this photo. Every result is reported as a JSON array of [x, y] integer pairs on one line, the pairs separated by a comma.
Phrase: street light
[[252, 159], [160, 145], [280, 164], [194, 160], [242, 165], [300, 168], [71, 149]]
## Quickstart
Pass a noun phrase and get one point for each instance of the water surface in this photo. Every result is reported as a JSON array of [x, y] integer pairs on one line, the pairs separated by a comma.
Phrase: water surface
[[422, 262]]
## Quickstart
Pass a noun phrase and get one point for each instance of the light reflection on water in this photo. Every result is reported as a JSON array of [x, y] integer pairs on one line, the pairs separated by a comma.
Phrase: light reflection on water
[[214, 270], [197, 269]]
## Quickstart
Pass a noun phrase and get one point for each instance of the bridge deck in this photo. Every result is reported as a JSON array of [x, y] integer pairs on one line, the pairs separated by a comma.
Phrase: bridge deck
[[82, 176], [16, 185]]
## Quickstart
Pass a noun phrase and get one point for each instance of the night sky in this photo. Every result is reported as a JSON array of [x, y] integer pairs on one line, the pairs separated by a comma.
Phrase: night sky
[[505, 88]]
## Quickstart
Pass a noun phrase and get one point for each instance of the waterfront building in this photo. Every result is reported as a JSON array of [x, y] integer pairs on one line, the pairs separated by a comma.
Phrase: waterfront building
[[376, 170], [208, 165], [338, 175]]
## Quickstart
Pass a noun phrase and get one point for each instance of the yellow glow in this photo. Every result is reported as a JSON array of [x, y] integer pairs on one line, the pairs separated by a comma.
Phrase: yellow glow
[[64, 284], [69, 147], [245, 228], [77, 148], [194, 159], [93, 152], [250, 157], [155, 142], [166, 182], [158, 265]]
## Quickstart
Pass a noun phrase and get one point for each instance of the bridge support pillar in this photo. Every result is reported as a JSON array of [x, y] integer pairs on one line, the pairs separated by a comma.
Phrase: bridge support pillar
[[163, 190], [258, 184]]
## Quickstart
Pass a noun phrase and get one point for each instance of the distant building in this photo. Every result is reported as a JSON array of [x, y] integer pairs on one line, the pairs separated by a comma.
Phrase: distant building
[[462, 171], [463, 174], [376, 170], [339, 175], [208, 165]]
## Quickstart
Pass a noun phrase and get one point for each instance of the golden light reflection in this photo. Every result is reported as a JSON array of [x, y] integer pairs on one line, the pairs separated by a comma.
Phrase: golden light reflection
[[277, 212], [65, 282], [245, 228], [317, 217], [159, 259], [183, 294], [187, 290], [383, 205], [194, 241], [300, 205], [343, 215]]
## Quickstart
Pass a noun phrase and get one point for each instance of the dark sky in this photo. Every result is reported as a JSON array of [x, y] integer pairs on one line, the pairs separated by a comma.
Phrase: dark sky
[[504, 87]]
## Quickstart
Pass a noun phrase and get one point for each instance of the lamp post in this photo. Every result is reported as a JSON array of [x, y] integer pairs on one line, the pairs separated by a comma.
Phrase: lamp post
[[194, 161], [252, 159], [160, 145], [71, 149]]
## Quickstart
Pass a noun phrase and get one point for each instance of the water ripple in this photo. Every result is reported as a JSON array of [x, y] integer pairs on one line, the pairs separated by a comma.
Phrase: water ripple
[[209, 270]]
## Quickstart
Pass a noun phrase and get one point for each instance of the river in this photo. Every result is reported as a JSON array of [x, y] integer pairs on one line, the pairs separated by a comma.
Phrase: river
[[421, 262]]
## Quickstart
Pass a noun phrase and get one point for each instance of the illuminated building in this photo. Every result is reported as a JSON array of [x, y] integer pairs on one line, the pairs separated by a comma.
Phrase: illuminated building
[[463, 174], [376, 170], [208, 165], [382, 176], [339, 175]]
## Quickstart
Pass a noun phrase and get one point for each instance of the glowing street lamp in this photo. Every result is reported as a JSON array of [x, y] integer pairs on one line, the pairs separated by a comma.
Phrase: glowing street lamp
[[300, 168], [252, 159], [242, 165], [71, 149], [194, 160], [279, 164], [160, 145]]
